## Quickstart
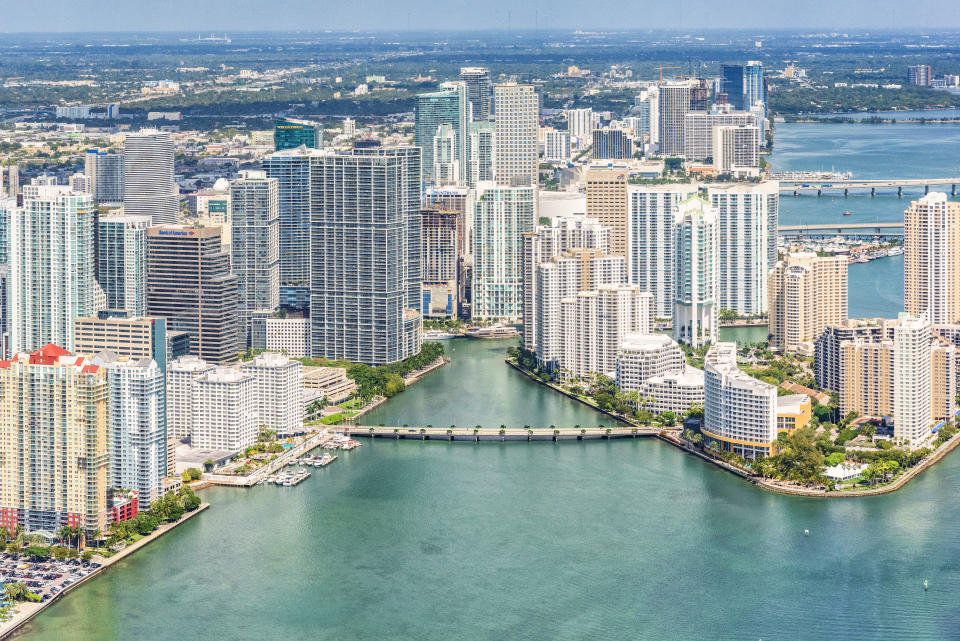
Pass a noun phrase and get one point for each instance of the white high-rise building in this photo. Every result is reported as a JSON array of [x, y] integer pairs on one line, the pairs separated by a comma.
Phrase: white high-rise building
[[104, 172], [931, 259], [501, 215], [477, 80], [225, 410], [122, 261], [149, 187], [650, 247], [580, 125], [747, 217], [594, 324], [279, 392], [556, 146], [736, 150], [182, 375], [52, 270], [255, 245], [518, 113], [446, 163], [700, 128], [643, 356], [137, 425], [696, 280], [912, 415], [740, 411], [674, 103], [483, 152]]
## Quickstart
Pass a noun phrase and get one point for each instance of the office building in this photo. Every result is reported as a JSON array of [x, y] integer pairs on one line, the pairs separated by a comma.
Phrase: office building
[[289, 133], [744, 85], [148, 184], [255, 246], [736, 150], [291, 168], [700, 128], [556, 148], [190, 284], [919, 75], [931, 259], [54, 456], [124, 334], [137, 425], [477, 80], [290, 336], [13, 180], [607, 202], [182, 374], [674, 391], [739, 411], [364, 299], [611, 144], [441, 262], [652, 213], [696, 277], [747, 218], [580, 126], [52, 267], [278, 385], [104, 172], [593, 325], [501, 215], [330, 383], [643, 356], [483, 152], [448, 106], [122, 261], [515, 162], [807, 294], [827, 359], [225, 410], [674, 103]]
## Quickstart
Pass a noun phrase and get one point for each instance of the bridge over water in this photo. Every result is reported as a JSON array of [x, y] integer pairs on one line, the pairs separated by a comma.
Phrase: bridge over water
[[424, 433], [843, 229], [820, 186]]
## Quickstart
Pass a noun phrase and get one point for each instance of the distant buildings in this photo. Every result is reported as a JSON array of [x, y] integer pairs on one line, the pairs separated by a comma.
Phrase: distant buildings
[[54, 459], [190, 284], [931, 259], [289, 133], [920, 75], [518, 110], [610, 143], [580, 126], [51, 253], [807, 293], [740, 412], [557, 147], [149, 187], [674, 103], [700, 131], [744, 84], [483, 152]]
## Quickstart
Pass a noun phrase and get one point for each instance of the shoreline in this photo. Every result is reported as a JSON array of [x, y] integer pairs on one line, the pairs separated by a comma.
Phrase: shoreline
[[26, 612], [771, 485]]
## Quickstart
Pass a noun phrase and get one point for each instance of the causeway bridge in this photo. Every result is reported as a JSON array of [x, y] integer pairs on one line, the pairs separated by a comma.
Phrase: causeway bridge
[[421, 433], [800, 186], [843, 229]]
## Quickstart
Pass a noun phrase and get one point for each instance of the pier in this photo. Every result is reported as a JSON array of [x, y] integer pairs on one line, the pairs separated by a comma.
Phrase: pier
[[477, 434], [799, 186]]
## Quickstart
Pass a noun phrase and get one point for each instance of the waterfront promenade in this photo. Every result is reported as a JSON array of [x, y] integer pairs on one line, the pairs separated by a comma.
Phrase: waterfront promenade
[[270, 468]]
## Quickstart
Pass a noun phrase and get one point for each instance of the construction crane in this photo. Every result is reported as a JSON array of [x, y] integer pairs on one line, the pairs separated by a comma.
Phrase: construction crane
[[661, 67]]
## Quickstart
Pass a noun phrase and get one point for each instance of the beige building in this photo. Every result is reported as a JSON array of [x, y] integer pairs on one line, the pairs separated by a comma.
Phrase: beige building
[[518, 113], [54, 449], [329, 382], [806, 293], [607, 202], [128, 336], [931, 258]]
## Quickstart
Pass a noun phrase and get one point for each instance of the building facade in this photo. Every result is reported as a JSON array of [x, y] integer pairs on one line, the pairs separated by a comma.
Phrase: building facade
[[931, 259], [518, 111], [149, 187], [607, 202], [104, 172], [448, 106], [279, 392], [696, 277], [478, 84], [122, 261], [255, 246], [289, 133], [807, 293]]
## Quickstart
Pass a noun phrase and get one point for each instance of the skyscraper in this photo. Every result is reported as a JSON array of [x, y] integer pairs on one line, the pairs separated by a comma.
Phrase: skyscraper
[[500, 216], [931, 259], [807, 294], [580, 126], [483, 152], [696, 283], [736, 150], [611, 144], [912, 416], [366, 272], [189, 283], [733, 86], [744, 84], [516, 145], [674, 103], [122, 333], [104, 172], [441, 261], [52, 269], [289, 133], [607, 202], [255, 245], [477, 80], [122, 261], [920, 75], [149, 187], [448, 106], [291, 168], [54, 458]]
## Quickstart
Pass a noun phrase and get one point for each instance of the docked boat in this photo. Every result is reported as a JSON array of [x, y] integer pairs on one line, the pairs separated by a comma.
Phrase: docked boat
[[436, 335], [496, 331]]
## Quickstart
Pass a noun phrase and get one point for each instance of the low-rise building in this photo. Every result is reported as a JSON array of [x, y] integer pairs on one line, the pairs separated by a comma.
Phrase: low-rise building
[[676, 391], [793, 412], [643, 356], [330, 382]]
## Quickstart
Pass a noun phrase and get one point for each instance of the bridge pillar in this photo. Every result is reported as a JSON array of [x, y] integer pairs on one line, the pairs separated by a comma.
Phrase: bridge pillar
[[926, 189], [873, 192], [846, 192], [819, 192], [900, 191], [953, 190], [796, 192]]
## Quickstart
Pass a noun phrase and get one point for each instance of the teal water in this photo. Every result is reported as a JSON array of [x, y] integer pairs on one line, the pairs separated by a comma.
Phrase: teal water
[[626, 539]]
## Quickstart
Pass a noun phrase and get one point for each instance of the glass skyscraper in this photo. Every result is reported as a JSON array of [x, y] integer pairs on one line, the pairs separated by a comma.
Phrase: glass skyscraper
[[289, 133], [449, 106], [478, 88], [122, 261]]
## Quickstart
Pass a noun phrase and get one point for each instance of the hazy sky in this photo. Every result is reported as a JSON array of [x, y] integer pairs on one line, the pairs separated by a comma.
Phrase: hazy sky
[[237, 15]]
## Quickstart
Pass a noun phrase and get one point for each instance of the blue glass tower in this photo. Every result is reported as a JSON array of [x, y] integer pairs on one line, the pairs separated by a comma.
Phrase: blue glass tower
[[291, 168], [289, 133]]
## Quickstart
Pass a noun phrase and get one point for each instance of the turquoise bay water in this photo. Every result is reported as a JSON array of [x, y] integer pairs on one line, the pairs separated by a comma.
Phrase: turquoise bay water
[[626, 539]]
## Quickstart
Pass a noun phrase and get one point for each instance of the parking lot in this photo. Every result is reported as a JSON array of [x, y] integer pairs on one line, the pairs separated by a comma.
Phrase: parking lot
[[45, 578]]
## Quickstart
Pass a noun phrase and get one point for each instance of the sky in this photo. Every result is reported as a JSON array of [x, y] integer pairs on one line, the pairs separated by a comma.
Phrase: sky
[[288, 15]]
